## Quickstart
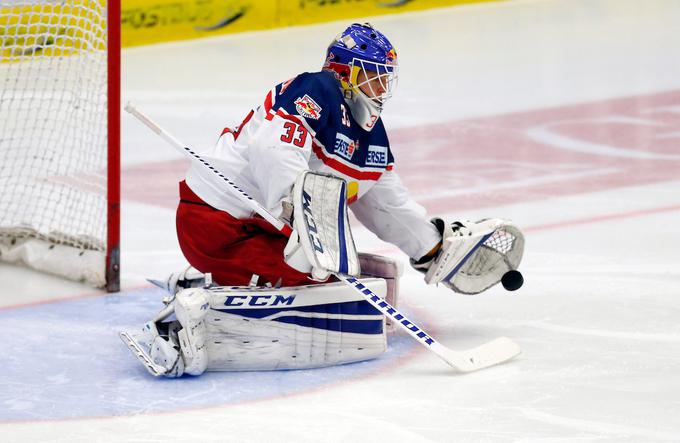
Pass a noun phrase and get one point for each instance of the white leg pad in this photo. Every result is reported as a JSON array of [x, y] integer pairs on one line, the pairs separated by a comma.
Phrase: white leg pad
[[191, 307], [262, 328], [293, 328]]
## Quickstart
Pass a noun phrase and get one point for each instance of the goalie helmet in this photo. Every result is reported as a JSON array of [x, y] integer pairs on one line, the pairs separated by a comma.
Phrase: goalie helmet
[[365, 63]]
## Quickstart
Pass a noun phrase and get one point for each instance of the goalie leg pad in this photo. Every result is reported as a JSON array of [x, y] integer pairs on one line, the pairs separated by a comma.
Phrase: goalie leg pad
[[191, 307], [373, 265], [262, 328], [293, 328]]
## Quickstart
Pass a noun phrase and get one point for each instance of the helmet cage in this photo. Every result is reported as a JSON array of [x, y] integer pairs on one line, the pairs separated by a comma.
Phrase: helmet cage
[[379, 80], [362, 48]]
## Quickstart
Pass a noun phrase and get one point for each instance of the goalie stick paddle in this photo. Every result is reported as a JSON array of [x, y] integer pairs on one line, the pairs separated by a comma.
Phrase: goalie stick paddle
[[489, 354]]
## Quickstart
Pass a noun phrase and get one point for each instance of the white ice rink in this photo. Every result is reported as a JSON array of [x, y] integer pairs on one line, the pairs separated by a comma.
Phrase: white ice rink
[[561, 115]]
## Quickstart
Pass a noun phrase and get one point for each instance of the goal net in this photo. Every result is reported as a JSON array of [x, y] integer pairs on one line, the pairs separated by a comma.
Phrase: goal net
[[59, 137]]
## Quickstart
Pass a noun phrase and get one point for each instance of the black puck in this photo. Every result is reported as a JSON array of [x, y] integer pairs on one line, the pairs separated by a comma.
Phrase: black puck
[[512, 280]]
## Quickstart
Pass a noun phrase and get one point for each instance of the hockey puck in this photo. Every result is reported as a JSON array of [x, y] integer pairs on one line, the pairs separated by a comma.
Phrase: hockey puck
[[512, 280]]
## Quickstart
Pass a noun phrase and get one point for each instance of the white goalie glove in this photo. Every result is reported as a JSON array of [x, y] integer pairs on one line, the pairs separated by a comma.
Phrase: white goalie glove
[[473, 256]]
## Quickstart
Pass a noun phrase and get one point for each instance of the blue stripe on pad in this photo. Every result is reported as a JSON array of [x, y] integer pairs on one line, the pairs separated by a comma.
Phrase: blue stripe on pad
[[361, 307], [338, 325]]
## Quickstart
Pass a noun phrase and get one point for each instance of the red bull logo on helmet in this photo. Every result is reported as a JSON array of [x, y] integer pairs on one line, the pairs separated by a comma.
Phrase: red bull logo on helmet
[[391, 58]]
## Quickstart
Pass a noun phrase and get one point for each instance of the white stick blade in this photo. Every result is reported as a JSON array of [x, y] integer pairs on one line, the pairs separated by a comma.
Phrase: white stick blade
[[492, 353]]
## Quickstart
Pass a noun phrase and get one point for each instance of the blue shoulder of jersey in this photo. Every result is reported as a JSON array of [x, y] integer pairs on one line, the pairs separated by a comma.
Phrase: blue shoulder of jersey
[[313, 96]]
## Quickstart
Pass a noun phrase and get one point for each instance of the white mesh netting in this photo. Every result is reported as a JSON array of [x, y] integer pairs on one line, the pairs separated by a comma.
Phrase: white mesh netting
[[53, 111]]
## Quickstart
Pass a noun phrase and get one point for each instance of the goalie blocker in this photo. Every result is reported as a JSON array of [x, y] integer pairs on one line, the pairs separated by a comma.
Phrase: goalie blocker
[[321, 242]]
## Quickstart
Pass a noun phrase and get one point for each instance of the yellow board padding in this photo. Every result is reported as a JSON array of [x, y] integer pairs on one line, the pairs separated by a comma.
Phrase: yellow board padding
[[153, 21], [303, 12], [52, 29]]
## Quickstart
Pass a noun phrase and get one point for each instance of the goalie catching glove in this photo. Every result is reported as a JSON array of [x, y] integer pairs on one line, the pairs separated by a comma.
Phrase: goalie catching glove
[[472, 257]]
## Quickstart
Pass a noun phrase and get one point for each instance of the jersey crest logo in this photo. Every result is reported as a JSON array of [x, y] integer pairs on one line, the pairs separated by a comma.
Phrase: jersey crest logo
[[344, 146], [307, 107]]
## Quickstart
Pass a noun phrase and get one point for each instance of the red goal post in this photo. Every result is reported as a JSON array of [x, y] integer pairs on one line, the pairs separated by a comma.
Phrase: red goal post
[[60, 138]]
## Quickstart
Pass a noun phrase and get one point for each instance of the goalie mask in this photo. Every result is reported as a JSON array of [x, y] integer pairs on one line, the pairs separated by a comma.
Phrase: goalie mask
[[365, 62]]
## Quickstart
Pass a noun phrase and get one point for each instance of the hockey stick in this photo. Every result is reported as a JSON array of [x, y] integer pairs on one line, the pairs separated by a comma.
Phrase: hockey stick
[[489, 354]]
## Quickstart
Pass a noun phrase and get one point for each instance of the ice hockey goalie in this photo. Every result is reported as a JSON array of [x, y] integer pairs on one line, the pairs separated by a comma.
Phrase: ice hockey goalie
[[313, 148]]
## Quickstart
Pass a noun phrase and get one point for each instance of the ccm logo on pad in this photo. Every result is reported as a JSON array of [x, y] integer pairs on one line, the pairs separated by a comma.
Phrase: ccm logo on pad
[[258, 300]]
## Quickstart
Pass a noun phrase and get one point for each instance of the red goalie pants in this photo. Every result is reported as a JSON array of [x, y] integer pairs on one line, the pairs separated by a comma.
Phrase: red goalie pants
[[231, 249]]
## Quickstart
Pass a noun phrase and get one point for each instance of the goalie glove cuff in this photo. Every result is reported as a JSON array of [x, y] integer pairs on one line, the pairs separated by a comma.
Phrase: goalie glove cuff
[[446, 230], [425, 261]]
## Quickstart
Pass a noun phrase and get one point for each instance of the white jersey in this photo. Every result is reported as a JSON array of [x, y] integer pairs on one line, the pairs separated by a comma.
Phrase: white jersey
[[304, 124]]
